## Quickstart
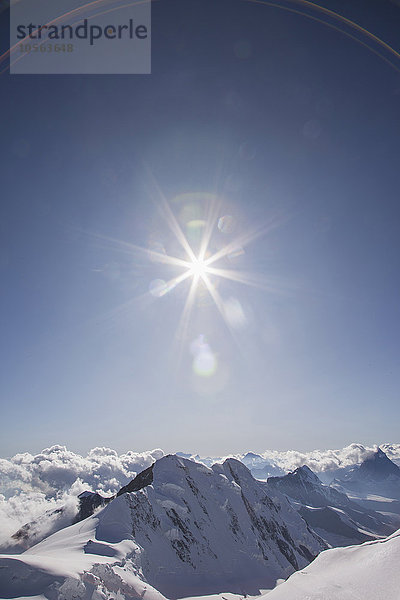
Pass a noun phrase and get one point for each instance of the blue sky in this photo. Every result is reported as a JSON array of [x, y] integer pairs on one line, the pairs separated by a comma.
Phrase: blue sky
[[285, 119]]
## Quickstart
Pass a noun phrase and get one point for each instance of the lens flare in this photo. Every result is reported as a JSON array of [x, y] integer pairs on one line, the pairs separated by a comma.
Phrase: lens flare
[[205, 364], [204, 360]]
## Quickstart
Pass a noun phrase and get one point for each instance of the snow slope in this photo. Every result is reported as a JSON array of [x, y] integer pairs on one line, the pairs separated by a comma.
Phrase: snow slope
[[67, 565], [366, 572]]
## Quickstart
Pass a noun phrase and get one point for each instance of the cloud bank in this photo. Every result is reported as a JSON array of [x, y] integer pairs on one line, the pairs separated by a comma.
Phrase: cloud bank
[[329, 460], [318, 460]]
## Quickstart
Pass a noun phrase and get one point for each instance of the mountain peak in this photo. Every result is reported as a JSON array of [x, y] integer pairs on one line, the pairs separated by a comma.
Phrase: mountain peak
[[305, 474], [379, 466], [234, 470], [164, 465], [251, 455], [301, 475], [302, 485]]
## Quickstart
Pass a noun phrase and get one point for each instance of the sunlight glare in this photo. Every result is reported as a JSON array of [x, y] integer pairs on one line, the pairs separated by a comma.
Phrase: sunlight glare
[[198, 268]]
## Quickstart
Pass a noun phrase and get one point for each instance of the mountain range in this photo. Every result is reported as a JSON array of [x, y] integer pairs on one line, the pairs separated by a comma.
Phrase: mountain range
[[337, 519], [180, 529]]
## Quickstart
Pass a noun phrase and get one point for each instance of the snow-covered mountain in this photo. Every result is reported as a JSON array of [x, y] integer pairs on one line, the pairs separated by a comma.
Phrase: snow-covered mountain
[[375, 469], [304, 486], [375, 484], [336, 518], [185, 529], [369, 571], [260, 467], [180, 528]]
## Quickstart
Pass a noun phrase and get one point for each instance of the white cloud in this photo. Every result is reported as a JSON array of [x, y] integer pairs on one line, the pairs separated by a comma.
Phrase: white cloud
[[392, 451], [321, 460]]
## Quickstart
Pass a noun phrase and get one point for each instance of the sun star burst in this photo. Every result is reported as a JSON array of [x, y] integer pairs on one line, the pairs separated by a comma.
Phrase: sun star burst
[[198, 268], [201, 266], [205, 266]]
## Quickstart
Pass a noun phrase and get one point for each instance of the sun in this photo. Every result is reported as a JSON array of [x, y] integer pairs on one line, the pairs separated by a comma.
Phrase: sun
[[203, 267], [198, 268]]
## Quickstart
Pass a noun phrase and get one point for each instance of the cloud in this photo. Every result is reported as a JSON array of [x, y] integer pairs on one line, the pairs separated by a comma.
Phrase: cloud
[[326, 460], [56, 469], [392, 451], [321, 460]]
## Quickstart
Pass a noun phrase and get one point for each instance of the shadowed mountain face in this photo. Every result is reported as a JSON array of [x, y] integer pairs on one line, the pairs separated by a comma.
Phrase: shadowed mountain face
[[305, 487], [335, 517], [376, 468], [376, 476], [141, 480]]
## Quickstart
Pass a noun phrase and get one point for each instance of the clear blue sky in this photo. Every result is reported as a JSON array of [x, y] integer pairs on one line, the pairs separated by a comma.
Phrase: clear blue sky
[[280, 114]]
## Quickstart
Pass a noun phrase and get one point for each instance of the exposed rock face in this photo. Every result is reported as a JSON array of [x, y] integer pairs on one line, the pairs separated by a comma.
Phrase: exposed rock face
[[51, 521], [141, 480], [89, 502]]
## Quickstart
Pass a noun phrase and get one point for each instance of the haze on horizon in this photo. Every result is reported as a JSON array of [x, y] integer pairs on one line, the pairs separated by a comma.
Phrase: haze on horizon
[[281, 126]]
